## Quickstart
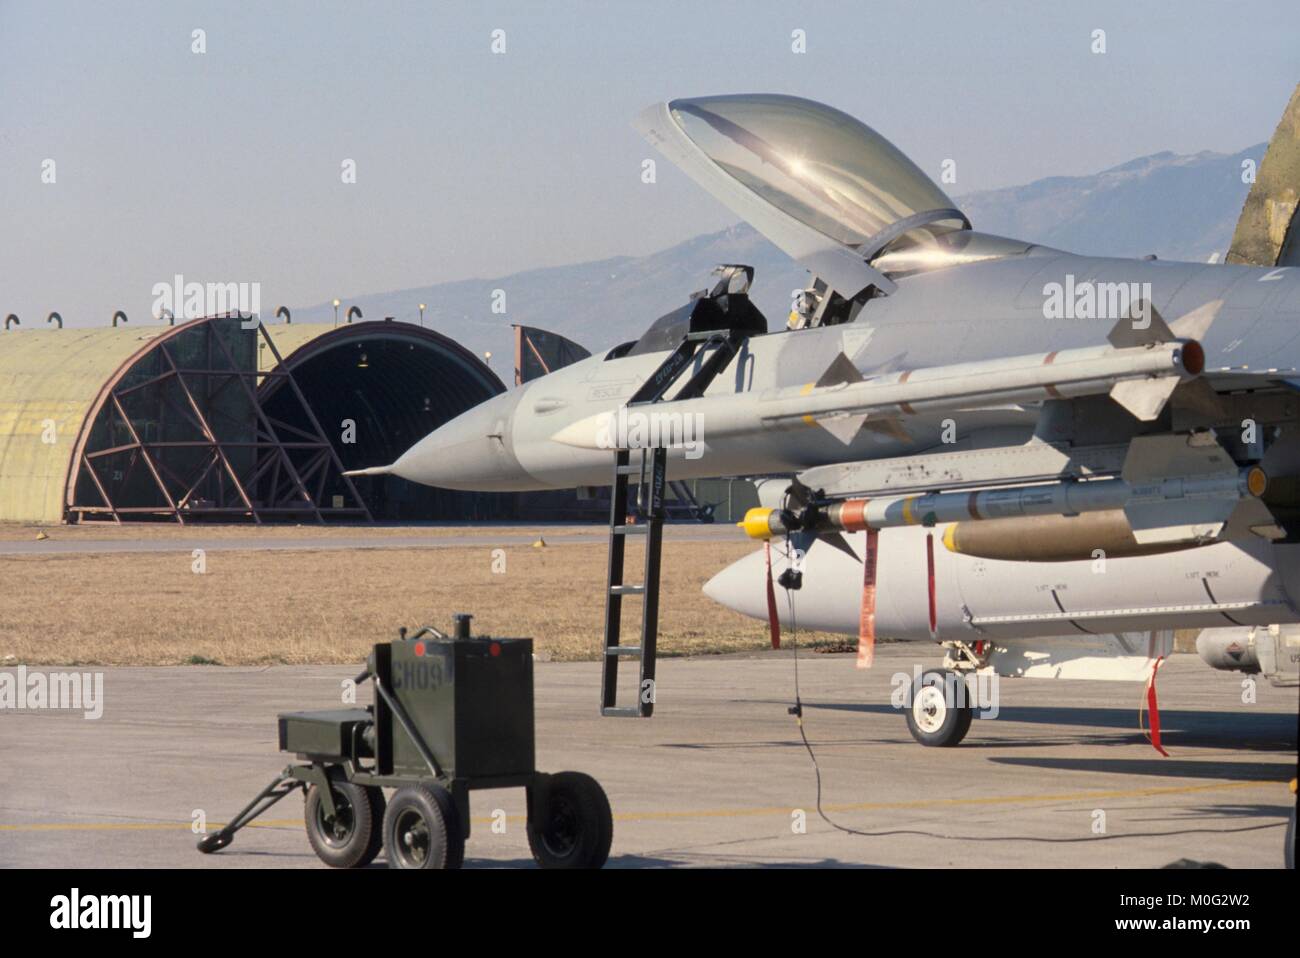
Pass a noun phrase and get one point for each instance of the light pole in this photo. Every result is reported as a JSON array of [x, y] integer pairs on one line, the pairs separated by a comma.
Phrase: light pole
[[336, 312], [487, 358], [422, 314]]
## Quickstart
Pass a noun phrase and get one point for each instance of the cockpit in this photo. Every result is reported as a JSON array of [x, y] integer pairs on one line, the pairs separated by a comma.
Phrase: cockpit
[[828, 189]]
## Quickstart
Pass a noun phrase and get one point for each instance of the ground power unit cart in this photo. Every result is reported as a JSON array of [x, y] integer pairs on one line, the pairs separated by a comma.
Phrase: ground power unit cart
[[452, 714]]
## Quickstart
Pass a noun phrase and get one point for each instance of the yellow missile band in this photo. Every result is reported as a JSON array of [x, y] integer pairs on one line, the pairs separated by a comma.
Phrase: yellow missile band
[[807, 388], [756, 523], [907, 511], [950, 538], [1256, 482]]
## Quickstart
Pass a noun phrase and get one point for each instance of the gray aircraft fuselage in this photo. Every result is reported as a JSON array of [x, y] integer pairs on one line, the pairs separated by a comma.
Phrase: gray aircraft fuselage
[[975, 311]]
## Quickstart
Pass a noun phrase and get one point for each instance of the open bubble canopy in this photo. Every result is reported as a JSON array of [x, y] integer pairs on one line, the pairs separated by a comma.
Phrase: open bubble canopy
[[813, 162]]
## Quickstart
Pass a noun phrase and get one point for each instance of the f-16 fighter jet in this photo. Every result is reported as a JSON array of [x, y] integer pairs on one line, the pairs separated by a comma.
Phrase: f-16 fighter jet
[[1045, 462]]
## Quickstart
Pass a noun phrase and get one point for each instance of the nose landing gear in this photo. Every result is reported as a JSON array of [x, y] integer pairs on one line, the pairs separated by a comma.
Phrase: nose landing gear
[[940, 713]]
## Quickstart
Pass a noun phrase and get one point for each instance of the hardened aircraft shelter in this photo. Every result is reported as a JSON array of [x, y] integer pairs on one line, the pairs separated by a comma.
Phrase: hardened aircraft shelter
[[223, 418]]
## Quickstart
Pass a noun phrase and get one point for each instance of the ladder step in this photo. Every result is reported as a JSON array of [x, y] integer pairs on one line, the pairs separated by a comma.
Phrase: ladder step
[[628, 470], [614, 712], [624, 651], [627, 590], [631, 530]]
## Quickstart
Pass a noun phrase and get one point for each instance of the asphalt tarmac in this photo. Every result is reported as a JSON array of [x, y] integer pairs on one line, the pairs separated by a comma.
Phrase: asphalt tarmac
[[719, 777]]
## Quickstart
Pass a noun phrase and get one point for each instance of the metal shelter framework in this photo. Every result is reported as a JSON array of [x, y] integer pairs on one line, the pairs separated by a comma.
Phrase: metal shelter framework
[[179, 432], [539, 352]]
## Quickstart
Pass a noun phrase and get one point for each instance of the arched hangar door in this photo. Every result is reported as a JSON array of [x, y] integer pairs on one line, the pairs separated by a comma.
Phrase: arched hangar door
[[377, 389]]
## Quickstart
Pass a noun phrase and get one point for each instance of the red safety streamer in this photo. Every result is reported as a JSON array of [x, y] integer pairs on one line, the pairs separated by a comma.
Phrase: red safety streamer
[[1154, 709], [929, 568], [867, 614], [773, 623]]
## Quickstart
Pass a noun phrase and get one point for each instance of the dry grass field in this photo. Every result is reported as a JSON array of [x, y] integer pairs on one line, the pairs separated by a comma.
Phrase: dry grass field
[[111, 531], [294, 607]]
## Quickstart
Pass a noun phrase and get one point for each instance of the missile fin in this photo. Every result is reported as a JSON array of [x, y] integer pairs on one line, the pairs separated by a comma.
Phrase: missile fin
[[836, 540], [1196, 323], [841, 370], [892, 428], [1155, 519], [1201, 520], [1196, 402], [1143, 325], [843, 427], [1144, 398], [1155, 457]]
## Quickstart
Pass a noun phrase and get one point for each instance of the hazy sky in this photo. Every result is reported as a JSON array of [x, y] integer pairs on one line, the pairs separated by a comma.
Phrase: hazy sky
[[225, 166]]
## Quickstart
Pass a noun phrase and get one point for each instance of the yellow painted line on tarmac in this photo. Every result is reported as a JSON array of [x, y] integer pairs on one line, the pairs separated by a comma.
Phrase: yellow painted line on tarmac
[[715, 812], [135, 826], [938, 802]]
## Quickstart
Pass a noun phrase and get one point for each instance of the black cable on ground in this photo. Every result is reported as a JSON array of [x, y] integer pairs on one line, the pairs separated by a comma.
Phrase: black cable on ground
[[797, 711]]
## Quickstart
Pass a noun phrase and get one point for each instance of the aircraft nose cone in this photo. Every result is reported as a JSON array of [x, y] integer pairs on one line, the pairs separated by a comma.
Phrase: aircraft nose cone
[[474, 451]]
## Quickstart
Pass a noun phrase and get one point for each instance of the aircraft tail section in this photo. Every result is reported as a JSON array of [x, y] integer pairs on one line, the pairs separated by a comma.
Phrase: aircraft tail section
[[1268, 232]]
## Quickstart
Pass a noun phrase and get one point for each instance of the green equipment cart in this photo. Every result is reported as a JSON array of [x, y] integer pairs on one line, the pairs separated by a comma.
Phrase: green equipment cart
[[452, 714]]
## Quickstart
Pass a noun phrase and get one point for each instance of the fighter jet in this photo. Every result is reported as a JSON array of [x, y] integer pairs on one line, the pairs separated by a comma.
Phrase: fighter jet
[[1046, 462]]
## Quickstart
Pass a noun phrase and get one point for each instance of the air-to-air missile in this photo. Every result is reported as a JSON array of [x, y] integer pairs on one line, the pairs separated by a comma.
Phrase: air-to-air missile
[[1140, 377], [1190, 494]]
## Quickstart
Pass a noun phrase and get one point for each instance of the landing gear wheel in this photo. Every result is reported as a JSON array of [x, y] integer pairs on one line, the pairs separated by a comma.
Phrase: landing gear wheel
[[576, 827], [939, 715], [422, 829], [350, 838]]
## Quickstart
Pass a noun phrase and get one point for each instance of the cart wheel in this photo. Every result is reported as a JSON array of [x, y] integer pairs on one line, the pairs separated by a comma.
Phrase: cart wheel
[[346, 839], [932, 718], [576, 827], [1288, 850], [378, 807], [422, 830]]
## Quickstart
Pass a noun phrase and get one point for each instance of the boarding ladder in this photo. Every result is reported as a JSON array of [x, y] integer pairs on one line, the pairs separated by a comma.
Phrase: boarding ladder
[[647, 518]]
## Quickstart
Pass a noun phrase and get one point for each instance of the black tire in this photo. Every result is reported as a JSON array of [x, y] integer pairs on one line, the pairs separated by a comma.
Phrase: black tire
[[1288, 850], [933, 717], [349, 839], [378, 808], [214, 842], [422, 829], [576, 827]]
